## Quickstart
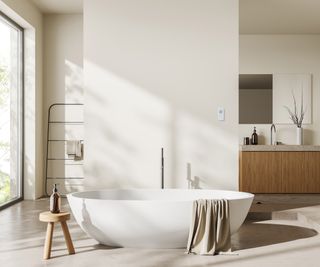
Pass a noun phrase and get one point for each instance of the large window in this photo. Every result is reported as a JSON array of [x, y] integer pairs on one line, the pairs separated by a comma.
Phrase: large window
[[11, 111]]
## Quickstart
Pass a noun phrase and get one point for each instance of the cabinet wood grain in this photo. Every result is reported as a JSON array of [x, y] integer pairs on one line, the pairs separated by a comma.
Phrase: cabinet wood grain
[[280, 172], [260, 172], [301, 172]]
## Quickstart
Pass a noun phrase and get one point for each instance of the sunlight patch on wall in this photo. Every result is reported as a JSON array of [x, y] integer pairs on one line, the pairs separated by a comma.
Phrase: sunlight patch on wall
[[73, 82], [200, 144], [128, 126]]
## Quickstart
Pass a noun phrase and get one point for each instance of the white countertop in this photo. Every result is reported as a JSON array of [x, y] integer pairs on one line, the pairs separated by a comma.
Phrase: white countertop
[[280, 148]]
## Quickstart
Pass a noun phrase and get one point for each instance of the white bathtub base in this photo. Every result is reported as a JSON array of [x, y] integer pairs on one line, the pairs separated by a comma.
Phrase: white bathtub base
[[147, 218]]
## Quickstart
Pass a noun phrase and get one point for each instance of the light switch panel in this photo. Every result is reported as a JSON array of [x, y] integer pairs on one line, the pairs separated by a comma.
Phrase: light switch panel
[[221, 114]]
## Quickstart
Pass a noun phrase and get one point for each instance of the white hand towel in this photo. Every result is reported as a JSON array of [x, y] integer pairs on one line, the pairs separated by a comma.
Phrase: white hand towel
[[71, 147], [75, 149], [78, 152]]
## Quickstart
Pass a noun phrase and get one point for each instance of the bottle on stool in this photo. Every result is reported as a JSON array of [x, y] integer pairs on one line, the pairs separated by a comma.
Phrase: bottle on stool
[[55, 200]]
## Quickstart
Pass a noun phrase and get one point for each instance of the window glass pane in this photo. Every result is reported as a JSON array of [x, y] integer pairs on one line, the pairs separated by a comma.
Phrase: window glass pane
[[10, 111]]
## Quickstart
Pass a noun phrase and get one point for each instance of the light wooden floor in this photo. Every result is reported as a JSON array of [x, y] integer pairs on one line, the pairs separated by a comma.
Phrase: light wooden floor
[[272, 241]]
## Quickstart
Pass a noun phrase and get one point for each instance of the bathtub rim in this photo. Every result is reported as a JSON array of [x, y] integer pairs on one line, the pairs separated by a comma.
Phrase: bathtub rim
[[81, 195]]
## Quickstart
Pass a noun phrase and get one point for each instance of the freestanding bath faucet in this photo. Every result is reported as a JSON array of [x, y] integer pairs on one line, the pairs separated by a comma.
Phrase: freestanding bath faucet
[[162, 169], [273, 127]]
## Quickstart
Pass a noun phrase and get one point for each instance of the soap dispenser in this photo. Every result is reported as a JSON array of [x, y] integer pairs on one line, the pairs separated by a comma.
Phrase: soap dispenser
[[55, 200], [254, 137]]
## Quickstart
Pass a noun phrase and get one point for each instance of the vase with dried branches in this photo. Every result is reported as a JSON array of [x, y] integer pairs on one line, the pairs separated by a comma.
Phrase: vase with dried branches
[[296, 117]]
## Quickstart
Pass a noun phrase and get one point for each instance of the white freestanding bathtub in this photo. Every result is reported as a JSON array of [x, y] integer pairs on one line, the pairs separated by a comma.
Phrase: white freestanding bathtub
[[148, 218]]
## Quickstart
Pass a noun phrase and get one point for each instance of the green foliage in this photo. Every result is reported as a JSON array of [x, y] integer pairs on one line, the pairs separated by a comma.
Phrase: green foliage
[[4, 146], [4, 85], [4, 187]]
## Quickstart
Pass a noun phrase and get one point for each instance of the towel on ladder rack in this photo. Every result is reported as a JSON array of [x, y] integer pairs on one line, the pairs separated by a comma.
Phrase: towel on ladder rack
[[75, 148]]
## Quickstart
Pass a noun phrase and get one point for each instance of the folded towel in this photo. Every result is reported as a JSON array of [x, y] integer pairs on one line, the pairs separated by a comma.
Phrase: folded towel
[[209, 228], [78, 154], [75, 148], [71, 147]]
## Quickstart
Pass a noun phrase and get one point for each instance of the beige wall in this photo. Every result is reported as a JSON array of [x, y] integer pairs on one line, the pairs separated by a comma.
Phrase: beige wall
[[63, 58], [155, 74], [63, 83], [30, 18], [284, 54]]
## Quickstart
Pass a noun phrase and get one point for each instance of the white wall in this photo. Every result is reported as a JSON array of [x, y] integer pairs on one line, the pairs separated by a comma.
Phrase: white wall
[[283, 54], [63, 58], [30, 18], [63, 83], [155, 74]]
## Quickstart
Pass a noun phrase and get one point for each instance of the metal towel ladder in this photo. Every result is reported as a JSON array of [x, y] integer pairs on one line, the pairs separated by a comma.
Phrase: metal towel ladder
[[50, 142]]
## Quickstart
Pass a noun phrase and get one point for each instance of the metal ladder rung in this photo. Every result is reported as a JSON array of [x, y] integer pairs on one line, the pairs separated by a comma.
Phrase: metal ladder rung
[[74, 178]]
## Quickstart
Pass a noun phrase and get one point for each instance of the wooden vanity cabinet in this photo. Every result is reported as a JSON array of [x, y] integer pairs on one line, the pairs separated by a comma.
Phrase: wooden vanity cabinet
[[279, 172]]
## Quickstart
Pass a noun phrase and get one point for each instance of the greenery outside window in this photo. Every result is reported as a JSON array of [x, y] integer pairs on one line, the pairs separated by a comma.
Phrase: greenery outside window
[[11, 112]]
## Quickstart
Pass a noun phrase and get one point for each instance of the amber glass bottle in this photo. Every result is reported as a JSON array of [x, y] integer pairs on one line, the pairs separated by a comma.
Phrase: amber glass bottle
[[55, 200], [254, 137]]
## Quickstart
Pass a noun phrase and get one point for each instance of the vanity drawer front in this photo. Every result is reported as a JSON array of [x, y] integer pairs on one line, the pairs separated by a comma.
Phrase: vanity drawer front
[[280, 172], [260, 172], [301, 172]]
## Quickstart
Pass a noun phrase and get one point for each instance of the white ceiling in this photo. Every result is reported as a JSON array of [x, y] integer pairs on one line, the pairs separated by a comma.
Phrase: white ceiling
[[256, 16], [59, 6], [279, 16]]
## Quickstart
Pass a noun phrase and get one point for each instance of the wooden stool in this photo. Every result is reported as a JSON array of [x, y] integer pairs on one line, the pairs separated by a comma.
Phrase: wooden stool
[[52, 218]]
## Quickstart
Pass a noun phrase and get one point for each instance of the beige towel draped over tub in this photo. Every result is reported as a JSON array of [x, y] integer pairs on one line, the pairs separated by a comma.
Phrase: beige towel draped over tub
[[210, 227]]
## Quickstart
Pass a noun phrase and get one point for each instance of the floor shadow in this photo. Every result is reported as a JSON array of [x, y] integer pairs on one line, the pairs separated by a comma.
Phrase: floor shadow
[[254, 234], [89, 247], [20, 248], [82, 249]]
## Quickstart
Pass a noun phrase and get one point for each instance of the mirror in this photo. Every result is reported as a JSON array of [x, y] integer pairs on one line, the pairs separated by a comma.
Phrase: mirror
[[263, 97], [255, 98]]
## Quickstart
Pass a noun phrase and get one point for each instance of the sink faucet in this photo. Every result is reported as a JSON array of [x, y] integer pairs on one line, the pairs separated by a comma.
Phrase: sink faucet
[[273, 127]]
